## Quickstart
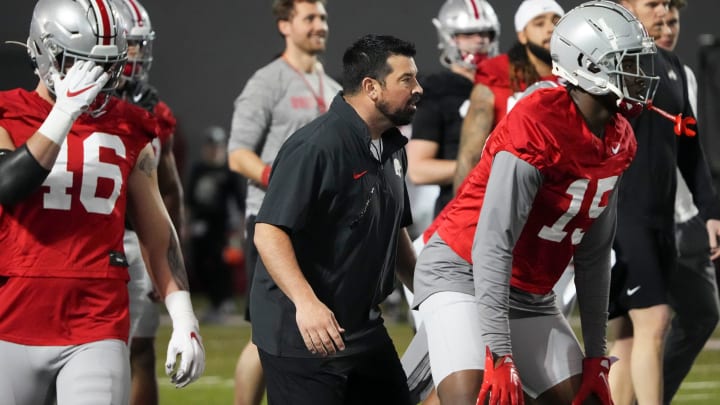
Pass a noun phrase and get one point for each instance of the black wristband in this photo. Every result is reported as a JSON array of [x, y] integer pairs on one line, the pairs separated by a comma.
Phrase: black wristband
[[20, 175]]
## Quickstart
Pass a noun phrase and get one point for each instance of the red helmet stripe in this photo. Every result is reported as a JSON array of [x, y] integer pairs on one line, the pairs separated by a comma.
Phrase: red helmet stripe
[[474, 6], [136, 10], [104, 20]]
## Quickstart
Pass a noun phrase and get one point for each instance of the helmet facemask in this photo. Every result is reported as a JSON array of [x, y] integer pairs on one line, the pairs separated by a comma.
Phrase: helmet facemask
[[139, 59], [634, 77]]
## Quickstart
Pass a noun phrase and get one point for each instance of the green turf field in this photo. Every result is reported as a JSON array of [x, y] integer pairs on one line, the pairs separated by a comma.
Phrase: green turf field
[[224, 342]]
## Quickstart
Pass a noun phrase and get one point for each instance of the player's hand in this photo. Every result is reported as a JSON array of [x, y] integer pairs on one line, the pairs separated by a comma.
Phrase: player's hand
[[76, 91], [185, 341], [713, 229], [595, 380], [319, 328], [501, 382]]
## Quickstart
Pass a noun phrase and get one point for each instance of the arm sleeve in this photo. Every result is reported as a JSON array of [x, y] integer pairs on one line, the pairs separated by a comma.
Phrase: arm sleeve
[[592, 278], [253, 113], [20, 175], [510, 192]]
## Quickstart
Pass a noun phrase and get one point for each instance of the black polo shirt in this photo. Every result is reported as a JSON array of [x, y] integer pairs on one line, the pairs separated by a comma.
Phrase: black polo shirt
[[647, 190], [343, 210]]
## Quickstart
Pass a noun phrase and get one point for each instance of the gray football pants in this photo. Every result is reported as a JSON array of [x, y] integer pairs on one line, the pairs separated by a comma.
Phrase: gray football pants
[[96, 373]]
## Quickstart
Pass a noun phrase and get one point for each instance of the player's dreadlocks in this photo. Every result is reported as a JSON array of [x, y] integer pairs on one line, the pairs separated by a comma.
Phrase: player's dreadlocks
[[522, 71]]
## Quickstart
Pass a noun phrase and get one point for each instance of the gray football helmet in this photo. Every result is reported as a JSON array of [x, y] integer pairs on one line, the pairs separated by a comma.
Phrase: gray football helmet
[[140, 37], [63, 31], [466, 17], [602, 48]]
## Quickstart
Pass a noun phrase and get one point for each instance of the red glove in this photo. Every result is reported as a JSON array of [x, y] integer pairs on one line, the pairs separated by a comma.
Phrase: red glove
[[501, 382], [595, 380], [265, 176]]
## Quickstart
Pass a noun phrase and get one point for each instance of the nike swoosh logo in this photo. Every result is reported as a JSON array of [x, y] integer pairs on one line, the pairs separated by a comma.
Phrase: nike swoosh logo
[[615, 149], [631, 291], [604, 379], [75, 93], [358, 175]]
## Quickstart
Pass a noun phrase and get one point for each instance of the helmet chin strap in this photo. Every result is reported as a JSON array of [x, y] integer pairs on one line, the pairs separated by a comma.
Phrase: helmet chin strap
[[628, 108]]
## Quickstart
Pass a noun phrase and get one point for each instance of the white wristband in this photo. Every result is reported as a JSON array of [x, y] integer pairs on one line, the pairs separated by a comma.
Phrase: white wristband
[[179, 307], [56, 126]]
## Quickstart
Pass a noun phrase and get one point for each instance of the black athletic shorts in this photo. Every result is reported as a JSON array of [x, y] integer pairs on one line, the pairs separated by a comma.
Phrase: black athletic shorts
[[375, 377], [645, 258]]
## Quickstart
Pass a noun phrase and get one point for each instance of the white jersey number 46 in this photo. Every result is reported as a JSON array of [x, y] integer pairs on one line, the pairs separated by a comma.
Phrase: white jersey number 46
[[61, 179]]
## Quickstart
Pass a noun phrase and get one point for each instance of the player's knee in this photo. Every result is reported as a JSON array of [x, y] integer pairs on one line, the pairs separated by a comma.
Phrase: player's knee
[[460, 388]]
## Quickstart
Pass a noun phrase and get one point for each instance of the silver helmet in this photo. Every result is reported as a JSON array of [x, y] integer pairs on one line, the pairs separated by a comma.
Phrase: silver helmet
[[602, 48], [466, 17], [140, 37], [63, 31]]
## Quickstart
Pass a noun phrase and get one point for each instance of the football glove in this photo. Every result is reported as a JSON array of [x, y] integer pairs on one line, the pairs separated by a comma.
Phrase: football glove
[[185, 341], [501, 384], [73, 94], [595, 372], [77, 90]]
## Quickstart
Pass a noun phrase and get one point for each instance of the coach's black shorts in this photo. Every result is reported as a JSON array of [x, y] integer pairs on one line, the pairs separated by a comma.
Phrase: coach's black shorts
[[374, 377], [645, 258]]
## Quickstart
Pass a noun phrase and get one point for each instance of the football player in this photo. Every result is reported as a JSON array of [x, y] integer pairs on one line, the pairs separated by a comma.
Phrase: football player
[[74, 159], [500, 80], [134, 88], [542, 194]]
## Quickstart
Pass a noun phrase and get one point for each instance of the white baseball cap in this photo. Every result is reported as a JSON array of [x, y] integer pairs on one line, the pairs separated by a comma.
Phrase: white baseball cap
[[530, 9]]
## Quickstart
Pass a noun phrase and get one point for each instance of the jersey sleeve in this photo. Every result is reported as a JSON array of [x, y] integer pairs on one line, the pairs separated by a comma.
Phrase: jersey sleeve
[[511, 190], [166, 121], [253, 112], [592, 278], [300, 170]]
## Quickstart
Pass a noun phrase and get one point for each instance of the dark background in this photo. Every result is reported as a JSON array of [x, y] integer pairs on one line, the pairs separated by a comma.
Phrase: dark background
[[206, 50]]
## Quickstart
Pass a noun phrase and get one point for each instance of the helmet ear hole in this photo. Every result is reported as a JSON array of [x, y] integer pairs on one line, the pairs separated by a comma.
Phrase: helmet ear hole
[[593, 68]]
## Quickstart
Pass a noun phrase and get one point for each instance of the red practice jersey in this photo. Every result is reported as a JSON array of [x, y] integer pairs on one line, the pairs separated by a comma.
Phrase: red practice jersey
[[71, 228], [579, 172], [495, 74], [166, 128]]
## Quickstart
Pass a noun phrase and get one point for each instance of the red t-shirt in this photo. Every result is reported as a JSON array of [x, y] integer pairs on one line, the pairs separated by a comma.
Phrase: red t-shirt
[[72, 226], [579, 170]]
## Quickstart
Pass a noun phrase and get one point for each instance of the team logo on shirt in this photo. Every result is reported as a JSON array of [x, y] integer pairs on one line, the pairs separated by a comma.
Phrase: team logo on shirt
[[672, 75], [398, 167]]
